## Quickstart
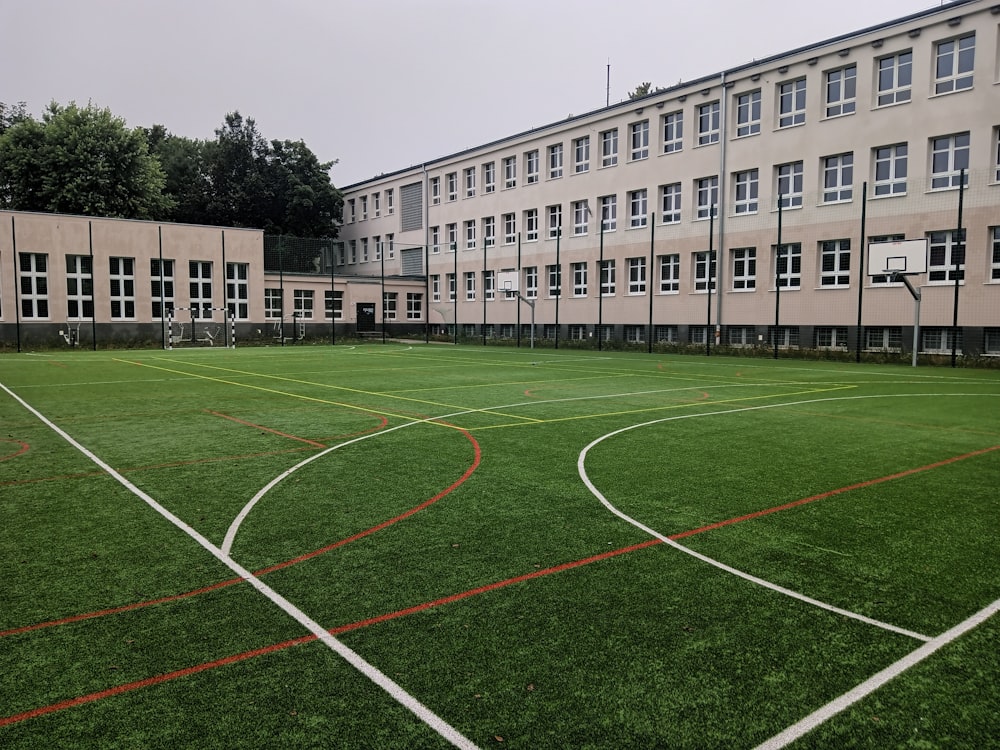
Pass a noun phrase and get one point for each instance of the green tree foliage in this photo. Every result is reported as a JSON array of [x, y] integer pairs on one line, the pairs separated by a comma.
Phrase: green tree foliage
[[11, 114], [79, 161], [644, 89]]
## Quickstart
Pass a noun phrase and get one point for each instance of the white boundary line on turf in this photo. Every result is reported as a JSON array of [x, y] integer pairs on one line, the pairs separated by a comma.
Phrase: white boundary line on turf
[[436, 723]]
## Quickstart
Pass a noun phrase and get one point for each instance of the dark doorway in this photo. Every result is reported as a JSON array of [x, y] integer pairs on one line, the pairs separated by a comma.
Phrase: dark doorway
[[366, 317]]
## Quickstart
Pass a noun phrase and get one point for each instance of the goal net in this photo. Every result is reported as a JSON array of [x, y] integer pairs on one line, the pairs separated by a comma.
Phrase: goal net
[[200, 327]]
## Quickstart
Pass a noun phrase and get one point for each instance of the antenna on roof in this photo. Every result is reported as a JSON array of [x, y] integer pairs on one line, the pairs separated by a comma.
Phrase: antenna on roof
[[607, 98]]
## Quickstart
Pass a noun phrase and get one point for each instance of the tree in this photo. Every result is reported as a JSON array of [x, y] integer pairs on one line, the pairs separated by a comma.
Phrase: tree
[[12, 114], [80, 161], [303, 200], [644, 89], [184, 162]]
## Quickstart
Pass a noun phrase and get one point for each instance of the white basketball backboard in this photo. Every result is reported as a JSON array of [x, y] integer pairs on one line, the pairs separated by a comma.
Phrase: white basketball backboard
[[902, 256], [507, 281]]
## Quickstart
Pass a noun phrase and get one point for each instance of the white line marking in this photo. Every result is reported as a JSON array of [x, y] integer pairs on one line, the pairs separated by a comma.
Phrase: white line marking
[[353, 658]]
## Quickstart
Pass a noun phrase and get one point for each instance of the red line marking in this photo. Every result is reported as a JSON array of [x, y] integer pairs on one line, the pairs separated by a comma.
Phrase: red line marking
[[266, 429], [23, 449]]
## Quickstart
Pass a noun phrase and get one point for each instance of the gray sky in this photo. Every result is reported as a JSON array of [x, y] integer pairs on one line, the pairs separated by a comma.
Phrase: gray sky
[[385, 84]]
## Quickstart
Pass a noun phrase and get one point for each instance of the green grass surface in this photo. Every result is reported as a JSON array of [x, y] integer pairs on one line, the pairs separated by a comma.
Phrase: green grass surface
[[443, 531]]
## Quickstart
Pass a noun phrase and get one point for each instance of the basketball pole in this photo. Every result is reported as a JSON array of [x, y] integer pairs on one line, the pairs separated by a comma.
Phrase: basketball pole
[[915, 293]]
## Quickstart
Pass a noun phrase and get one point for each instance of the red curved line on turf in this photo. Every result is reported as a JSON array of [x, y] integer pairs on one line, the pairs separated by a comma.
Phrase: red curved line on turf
[[279, 433], [23, 449]]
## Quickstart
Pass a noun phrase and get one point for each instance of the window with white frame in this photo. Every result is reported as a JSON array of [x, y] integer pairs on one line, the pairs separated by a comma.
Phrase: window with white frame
[[786, 337], [489, 177], [835, 263], [636, 275], [707, 193], [609, 147], [452, 230], [579, 270], [435, 240], [741, 336], [895, 77], [748, 113], [273, 304], [789, 185], [995, 261], [890, 169], [489, 231], [555, 221], [414, 306], [450, 281], [531, 282], [609, 212], [377, 200], [744, 268], [665, 334], [670, 273], [946, 256], [581, 154], [510, 172], [996, 154], [881, 279], [634, 334], [791, 103], [161, 286], [637, 203], [531, 225], [333, 305], [949, 156], [670, 203], [489, 284], [991, 341], [390, 201], [838, 178], [354, 251], [831, 337], [470, 234], [841, 91], [532, 167], [746, 187], [883, 338], [954, 60], [470, 182], [389, 303], [555, 152], [470, 286], [390, 245], [639, 140], [607, 273], [364, 249], [708, 123], [581, 214], [377, 245], [364, 207], [451, 180], [673, 132], [577, 332], [704, 272], [351, 212], [436, 287], [200, 288], [79, 287], [435, 190], [940, 340], [238, 290], [553, 273], [509, 229], [788, 265], [303, 303]]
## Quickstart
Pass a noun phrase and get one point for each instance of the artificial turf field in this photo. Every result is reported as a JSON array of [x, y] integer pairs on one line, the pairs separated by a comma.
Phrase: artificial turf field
[[393, 546]]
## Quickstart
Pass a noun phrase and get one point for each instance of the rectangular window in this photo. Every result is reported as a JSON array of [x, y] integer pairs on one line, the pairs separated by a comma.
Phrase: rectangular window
[[389, 303], [637, 208], [841, 91], [708, 123], [791, 103], [79, 287], [670, 273], [895, 76], [509, 229], [881, 280], [200, 288], [838, 178], [161, 287], [554, 275], [490, 177], [532, 167], [531, 282], [452, 230], [790, 185], [364, 249], [835, 263], [510, 172], [581, 212], [639, 140], [303, 303], [489, 231], [581, 154], [351, 214], [377, 199], [707, 190], [364, 207], [636, 275], [436, 287], [238, 290], [555, 221], [665, 334], [390, 246], [946, 257], [470, 234], [273, 304], [673, 132], [748, 113], [954, 60], [949, 156], [470, 182], [786, 337], [609, 213], [555, 152], [886, 339], [435, 240], [531, 225], [934, 340], [996, 154], [450, 279], [452, 181], [828, 337], [579, 279], [333, 305], [470, 286], [744, 268], [991, 341], [414, 306], [995, 261], [435, 190], [701, 271], [390, 201], [122, 288], [746, 185], [670, 203], [788, 262], [607, 277], [609, 148], [890, 169]]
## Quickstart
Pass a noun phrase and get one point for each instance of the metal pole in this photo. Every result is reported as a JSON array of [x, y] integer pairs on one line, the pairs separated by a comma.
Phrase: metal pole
[[861, 267], [519, 279], [454, 317], [649, 282], [484, 290], [17, 284], [281, 291], [777, 277], [333, 297], [600, 289], [708, 281], [225, 290], [381, 255], [427, 293], [93, 300], [163, 304], [558, 281], [958, 243]]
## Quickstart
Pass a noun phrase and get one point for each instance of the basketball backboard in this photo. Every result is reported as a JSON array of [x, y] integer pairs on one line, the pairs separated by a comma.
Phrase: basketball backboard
[[507, 281], [902, 256]]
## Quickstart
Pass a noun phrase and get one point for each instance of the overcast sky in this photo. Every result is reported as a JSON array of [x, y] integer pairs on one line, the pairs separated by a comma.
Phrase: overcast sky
[[381, 85]]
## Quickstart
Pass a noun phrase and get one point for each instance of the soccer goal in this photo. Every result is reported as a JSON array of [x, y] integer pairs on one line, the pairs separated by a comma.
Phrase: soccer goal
[[199, 327]]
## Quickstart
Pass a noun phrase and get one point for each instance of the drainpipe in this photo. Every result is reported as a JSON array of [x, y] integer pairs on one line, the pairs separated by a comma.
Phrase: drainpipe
[[720, 258]]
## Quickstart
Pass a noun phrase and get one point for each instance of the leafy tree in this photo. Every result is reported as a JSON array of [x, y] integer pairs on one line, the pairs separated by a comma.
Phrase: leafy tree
[[303, 200], [643, 89], [11, 114], [184, 163], [79, 161]]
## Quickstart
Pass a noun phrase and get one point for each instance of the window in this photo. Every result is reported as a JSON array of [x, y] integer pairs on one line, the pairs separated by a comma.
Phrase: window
[[954, 60], [581, 154], [670, 203], [352, 216], [354, 251], [708, 123], [377, 200], [609, 148], [273, 304], [489, 231], [509, 229], [436, 287], [634, 334], [786, 337], [200, 288], [364, 249], [435, 190], [555, 221], [636, 275], [450, 279], [581, 212], [936, 340], [895, 76], [470, 182], [238, 290], [995, 263], [835, 263], [364, 207], [788, 262], [746, 185], [470, 286], [670, 273], [707, 191], [790, 185], [161, 286], [470, 234], [885, 280], [949, 156], [377, 244], [996, 154], [890, 169], [531, 225], [333, 305], [946, 256], [748, 114], [79, 287], [637, 208], [838, 178], [841, 91], [791, 103], [555, 161], [531, 282], [701, 271], [390, 201], [991, 341], [607, 277], [490, 177], [831, 338], [673, 132], [609, 212], [665, 334], [579, 279], [510, 172], [639, 140], [452, 230], [435, 240], [531, 167], [887, 339], [554, 275], [389, 302], [303, 302], [744, 268], [390, 246], [741, 336], [414, 306], [451, 180]]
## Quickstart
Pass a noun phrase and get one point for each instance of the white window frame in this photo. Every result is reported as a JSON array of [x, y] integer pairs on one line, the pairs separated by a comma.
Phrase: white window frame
[[200, 288], [748, 113], [579, 271], [333, 304], [414, 306], [670, 203], [435, 240], [890, 164], [943, 249], [788, 265], [531, 282], [161, 286], [670, 273], [489, 284], [701, 266], [79, 287], [436, 287], [470, 234], [509, 172], [995, 255], [531, 167], [302, 303], [835, 264], [435, 191], [672, 128], [949, 155], [707, 196], [894, 78], [838, 178], [609, 213], [841, 91], [954, 63], [509, 229], [581, 154], [789, 184], [581, 218], [746, 192], [489, 231], [490, 177], [609, 148], [638, 208], [638, 140], [531, 225], [274, 303], [636, 275], [390, 303], [555, 159], [708, 123], [792, 103], [470, 182], [470, 285], [554, 214], [451, 182], [553, 274], [744, 265], [238, 290], [607, 275]]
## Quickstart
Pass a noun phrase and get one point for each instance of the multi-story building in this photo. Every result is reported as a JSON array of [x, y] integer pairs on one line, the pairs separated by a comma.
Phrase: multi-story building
[[738, 206]]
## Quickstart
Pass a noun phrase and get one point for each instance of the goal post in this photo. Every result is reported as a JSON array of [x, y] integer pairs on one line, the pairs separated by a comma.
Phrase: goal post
[[197, 330]]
